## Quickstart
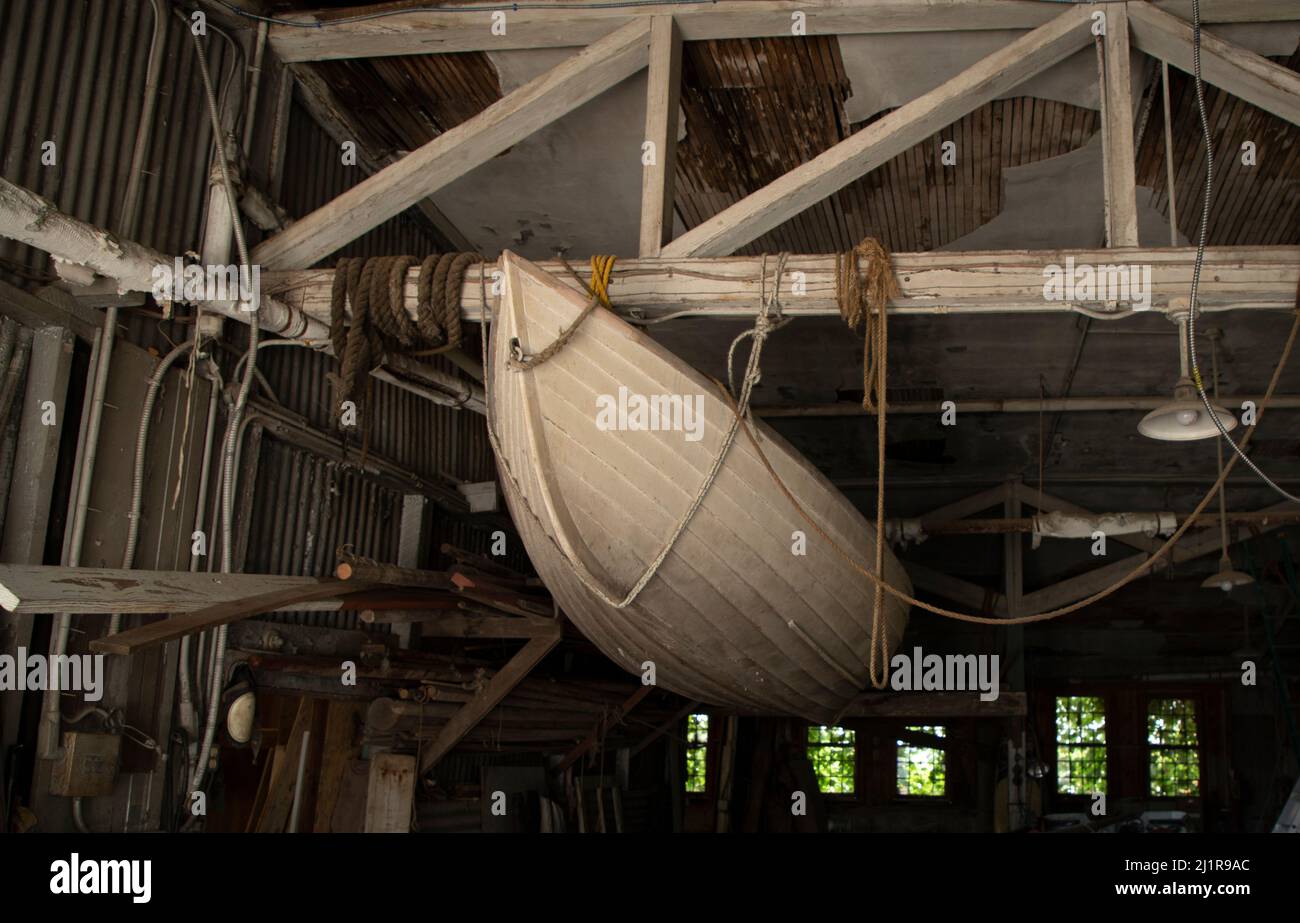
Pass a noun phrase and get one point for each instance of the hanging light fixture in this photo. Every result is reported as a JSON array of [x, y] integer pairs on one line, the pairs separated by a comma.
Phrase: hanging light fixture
[[1227, 578], [1184, 418]]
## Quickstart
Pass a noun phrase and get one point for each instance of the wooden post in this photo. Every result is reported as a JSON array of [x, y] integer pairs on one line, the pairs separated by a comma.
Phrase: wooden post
[[1121, 161], [663, 89]]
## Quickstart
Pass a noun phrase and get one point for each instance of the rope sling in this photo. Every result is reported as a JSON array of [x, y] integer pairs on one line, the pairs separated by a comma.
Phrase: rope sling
[[862, 299], [374, 288]]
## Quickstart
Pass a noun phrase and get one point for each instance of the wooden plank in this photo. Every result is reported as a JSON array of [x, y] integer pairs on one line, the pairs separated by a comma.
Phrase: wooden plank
[[89, 590], [887, 137], [284, 774], [390, 794], [454, 153], [446, 30], [1238, 70], [663, 88], [936, 705], [501, 684], [1067, 591], [1121, 161], [968, 594], [436, 623], [339, 747], [933, 283], [135, 640]]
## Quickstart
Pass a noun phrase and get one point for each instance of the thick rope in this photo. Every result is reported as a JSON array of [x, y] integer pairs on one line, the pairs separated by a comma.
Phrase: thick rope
[[1128, 578], [864, 300], [375, 288], [768, 319]]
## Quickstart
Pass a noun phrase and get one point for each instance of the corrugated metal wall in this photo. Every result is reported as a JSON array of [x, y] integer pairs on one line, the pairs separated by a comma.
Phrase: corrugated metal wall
[[73, 72]]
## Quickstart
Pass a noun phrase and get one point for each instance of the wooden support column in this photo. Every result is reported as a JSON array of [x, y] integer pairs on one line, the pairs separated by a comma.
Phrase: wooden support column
[[475, 710], [887, 137], [663, 88], [454, 153], [1121, 161]]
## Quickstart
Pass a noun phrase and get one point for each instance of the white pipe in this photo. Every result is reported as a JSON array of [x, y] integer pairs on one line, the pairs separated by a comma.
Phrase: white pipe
[[48, 738], [137, 472], [134, 182]]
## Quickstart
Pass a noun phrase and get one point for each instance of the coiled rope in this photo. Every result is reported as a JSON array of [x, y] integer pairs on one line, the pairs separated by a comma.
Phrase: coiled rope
[[374, 288], [863, 299]]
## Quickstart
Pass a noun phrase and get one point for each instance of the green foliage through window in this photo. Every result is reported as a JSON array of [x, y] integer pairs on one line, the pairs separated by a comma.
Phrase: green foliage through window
[[1175, 767], [1080, 745], [697, 752], [833, 754], [922, 770]]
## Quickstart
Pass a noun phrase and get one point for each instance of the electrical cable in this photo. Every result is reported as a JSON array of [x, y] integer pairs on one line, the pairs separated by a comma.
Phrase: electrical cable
[[1200, 257]]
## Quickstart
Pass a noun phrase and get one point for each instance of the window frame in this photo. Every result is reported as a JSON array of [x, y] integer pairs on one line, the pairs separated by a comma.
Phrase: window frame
[[1108, 774], [1149, 748], [947, 778], [855, 747], [707, 747]]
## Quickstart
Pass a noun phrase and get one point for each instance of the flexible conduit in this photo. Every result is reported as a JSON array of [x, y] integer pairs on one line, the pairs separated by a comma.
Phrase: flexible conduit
[[232, 426], [137, 474], [1200, 256]]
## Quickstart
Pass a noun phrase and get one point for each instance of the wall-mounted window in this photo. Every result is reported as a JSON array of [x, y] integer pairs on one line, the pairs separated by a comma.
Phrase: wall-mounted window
[[922, 769], [1080, 745], [833, 754], [1174, 765], [697, 752]]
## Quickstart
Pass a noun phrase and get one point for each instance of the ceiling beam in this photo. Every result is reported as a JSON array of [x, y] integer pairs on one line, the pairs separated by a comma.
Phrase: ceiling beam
[[887, 137], [449, 30], [932, 283], [1230, 67], [459, 150]]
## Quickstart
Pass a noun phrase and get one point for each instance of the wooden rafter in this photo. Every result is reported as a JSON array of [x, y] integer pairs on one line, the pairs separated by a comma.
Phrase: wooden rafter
[[446, 30], [477, 708], [887, 137], [455, 152], [1237, 70]]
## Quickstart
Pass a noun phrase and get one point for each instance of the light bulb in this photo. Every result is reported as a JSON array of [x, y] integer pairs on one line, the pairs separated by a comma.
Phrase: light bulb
[[1226, 586], [1188, 417]]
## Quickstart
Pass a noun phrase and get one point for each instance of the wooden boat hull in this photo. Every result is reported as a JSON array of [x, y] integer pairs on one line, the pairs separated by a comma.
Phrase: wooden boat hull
[[734, 616]]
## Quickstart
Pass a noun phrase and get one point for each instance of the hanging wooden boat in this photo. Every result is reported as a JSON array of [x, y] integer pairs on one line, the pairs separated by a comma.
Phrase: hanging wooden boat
[[733, 616]]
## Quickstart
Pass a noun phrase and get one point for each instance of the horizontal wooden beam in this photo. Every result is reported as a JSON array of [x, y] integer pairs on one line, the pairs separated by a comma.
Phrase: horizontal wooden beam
[[455, 152], [134, 640], [886, 138], [937, 282], [449, 30], [1241, 72], [936, 705], [91, 590]]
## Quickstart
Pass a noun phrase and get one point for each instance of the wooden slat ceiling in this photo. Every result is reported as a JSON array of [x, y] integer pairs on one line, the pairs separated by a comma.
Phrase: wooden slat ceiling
[[756, 108]]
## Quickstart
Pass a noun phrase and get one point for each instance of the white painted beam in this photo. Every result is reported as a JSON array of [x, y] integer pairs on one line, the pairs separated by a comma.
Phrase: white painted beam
[[1241, 72], [450, 30], [938, 282], [887, 137], [454, 153], [663, 88]]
